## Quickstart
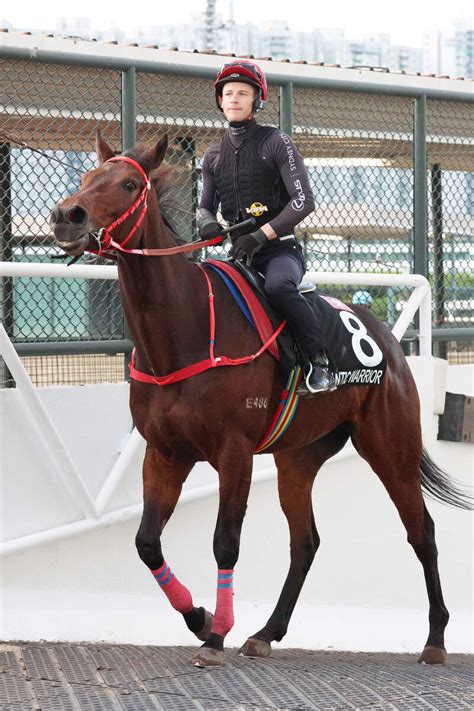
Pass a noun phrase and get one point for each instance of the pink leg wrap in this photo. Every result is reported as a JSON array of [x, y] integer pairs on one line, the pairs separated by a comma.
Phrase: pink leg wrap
[[224, 615], [178, 595]]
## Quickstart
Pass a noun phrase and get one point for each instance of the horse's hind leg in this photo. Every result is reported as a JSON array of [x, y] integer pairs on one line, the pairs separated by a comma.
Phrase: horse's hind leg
[[162, 484], [399, 470], [296, 473]]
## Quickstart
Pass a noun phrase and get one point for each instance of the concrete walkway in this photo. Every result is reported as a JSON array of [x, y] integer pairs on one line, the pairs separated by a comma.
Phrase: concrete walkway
[[63, 677]]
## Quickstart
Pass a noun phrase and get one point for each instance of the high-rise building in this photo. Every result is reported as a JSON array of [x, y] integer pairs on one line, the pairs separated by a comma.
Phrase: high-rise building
[[450, 52], [464, 47]]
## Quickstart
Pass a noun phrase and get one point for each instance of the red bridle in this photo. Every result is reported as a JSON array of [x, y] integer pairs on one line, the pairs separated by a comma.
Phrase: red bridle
[[106, 241], [105, 238]]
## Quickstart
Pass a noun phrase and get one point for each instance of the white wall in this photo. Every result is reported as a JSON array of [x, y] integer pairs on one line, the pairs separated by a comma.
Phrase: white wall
[[365, 590]]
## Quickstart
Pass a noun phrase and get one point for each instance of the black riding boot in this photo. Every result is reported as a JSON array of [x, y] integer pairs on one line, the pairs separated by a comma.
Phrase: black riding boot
[[317, 378]]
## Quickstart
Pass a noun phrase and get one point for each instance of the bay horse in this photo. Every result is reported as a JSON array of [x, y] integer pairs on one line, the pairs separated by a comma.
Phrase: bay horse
[[212, 416]]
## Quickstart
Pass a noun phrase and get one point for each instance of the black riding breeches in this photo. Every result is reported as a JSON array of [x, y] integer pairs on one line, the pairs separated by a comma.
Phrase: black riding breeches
[[283, 272]]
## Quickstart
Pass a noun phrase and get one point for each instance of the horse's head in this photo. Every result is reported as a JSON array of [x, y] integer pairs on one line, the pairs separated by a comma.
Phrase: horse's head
[[116, 189]]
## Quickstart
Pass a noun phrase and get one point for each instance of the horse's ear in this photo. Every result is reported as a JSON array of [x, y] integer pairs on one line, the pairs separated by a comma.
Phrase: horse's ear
[[103, 150], [158, 152]]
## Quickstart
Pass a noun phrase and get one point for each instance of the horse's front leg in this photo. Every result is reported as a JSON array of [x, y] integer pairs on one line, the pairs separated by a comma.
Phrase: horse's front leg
[[162, 484], [235, 473]]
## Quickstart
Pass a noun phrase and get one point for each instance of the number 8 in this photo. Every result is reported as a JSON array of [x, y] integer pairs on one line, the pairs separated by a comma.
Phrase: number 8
[[359, 333]]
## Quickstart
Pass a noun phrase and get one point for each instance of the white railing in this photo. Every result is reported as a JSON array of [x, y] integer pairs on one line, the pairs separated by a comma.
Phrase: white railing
[[67, 475]]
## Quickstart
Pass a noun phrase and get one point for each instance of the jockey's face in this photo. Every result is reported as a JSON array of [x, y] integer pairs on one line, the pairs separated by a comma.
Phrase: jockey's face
[[237, 100]]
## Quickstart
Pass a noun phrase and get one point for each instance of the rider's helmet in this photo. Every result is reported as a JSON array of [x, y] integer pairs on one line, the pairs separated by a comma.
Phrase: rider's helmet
[[247, 72], [362, 298]]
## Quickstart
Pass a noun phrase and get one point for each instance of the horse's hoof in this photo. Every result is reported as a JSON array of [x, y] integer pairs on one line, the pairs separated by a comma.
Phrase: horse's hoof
[[208, 657], [206, 630], [257, 648], [433, 655]]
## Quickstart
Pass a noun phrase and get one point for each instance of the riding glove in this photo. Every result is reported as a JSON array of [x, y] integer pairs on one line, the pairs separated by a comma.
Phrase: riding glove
[[249, 245], [210, 228]]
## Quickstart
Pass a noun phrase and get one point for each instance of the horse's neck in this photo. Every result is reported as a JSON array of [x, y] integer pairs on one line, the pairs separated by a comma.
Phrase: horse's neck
[[165, 302]]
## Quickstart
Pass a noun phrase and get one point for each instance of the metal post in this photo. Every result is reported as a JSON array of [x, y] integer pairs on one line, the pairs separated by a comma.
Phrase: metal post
[[195, 175], [128, 108], [286, 108], [420, 193], [438, 263], [420, 265], [6, 253], [129, 139]]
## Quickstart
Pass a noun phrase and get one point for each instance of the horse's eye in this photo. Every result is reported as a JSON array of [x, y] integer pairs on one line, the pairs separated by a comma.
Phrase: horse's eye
[[130, 185]]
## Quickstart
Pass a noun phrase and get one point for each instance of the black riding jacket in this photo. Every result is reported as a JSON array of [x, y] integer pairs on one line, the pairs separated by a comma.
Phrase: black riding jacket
[[256, 171]]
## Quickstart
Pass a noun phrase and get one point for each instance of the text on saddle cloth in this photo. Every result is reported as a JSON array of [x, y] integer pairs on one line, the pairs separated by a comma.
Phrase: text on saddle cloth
[[354, 354]]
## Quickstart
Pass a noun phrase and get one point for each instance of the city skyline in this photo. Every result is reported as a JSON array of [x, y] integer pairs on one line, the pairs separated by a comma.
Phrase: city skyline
[[406, 26]]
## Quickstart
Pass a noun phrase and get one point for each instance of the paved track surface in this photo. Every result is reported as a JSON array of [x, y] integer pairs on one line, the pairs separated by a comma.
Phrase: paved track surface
[[100, 677]]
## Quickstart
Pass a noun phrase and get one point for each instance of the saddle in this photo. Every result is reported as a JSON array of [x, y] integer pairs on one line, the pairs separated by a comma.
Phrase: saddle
[[354, 356]]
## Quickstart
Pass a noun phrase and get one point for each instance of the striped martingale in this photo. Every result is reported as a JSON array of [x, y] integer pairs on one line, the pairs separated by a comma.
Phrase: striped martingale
[[225, 579], [163, 577], [285, 411]]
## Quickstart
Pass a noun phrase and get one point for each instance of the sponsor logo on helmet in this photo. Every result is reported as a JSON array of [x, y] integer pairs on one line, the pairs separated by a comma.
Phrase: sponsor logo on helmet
[[256, 209]]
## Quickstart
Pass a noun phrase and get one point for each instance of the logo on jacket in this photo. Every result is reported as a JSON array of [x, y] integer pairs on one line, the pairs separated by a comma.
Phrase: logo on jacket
[[256, 209], [298, 202]]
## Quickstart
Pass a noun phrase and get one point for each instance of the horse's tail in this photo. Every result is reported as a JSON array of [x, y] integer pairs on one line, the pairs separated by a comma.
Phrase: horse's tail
[[437, 485]]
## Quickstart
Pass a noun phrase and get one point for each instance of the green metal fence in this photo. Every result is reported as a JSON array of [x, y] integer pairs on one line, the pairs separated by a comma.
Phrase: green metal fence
[[391, 168]]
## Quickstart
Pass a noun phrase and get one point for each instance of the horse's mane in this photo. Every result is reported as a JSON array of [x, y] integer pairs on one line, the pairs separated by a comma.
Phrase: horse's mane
[[164, 183], [163, 180]]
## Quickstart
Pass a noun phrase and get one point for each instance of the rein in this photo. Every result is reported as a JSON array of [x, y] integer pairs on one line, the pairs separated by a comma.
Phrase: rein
[[107, 244], [104, 235]]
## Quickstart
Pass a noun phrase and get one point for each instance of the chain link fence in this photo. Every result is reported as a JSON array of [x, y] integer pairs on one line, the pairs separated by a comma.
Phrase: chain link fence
[[450, 140], [359, 152]]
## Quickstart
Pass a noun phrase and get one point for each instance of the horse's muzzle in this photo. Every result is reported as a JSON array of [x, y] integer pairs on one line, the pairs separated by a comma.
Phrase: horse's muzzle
[[70, 226]]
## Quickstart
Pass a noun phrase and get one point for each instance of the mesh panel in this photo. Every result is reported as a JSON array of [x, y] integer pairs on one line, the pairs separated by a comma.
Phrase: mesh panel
[[451, 214], [359, 153], [75, 369], [358, 149], [55, 109]]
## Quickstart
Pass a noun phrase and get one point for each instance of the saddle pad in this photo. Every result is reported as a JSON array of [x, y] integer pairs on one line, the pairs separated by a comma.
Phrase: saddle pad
[[256, 309], [354, 355]]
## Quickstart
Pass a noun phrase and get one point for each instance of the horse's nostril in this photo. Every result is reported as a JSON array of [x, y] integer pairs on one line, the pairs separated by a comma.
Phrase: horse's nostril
[[77, 216]]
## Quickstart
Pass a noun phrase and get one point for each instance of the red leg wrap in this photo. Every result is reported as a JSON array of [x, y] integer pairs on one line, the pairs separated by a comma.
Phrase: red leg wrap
[[178, 595], [224, 614]]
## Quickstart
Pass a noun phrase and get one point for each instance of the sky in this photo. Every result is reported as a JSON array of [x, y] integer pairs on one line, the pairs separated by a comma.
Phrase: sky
[[404, 20]]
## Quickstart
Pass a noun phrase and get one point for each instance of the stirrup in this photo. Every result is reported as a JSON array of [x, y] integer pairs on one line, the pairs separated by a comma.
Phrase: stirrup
[[327, 382]]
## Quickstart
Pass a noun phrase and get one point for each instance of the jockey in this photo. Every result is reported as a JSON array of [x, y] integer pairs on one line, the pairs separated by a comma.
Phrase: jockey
[[257, 171]]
